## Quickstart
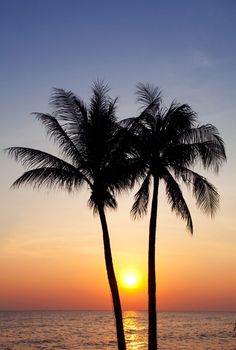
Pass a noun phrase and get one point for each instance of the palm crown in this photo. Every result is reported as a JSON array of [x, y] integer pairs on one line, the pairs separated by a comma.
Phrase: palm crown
[[88, 140], [169, 143]]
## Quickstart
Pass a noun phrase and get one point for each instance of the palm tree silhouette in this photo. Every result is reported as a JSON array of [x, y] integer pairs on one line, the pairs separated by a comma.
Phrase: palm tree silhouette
[[92, 153], [169, 142]]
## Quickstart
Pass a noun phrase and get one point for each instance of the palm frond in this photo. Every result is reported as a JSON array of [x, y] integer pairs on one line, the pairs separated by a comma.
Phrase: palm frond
[[72, 112], [51, 178], [112, 107], [209, 153], [176, 200], [148, 94], [208, 144], [31, 158], [207, 197], [100, 99], [178, 118], [136, 125], [200, 133], [60, 136], [140, 205], [67, 106]]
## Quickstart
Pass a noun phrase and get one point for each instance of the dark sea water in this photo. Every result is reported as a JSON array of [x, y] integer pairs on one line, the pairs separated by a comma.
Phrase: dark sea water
[[89, 330]]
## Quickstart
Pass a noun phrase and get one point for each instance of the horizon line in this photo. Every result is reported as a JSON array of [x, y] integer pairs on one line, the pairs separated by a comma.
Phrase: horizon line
[[110, 310]]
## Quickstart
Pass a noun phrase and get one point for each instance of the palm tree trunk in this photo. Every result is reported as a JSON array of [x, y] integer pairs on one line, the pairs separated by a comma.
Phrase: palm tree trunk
[[152, 319], [112, 281]]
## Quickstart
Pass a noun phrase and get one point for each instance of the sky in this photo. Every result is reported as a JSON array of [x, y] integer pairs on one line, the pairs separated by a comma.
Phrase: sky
[[51, 253]]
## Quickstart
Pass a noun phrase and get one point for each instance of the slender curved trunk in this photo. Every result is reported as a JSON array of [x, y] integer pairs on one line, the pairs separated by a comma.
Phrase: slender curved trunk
[[152, 318], [112, 281]]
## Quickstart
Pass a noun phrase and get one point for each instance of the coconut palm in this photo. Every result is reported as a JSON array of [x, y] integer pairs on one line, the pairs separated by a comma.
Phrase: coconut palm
[[169, 144], [92, 153]]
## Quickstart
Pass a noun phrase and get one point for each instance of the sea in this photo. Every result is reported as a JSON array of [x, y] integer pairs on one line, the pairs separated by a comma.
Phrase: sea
[[90, 330]]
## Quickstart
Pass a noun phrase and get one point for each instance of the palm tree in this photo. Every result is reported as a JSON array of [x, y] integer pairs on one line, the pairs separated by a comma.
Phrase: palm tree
[[92, 154], [169, 144]]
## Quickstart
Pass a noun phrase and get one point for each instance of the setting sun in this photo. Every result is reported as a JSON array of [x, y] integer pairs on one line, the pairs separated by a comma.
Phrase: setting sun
[[131, 280]]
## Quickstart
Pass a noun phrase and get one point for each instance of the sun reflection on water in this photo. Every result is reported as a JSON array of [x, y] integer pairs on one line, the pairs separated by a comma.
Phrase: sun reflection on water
[[134, 327]]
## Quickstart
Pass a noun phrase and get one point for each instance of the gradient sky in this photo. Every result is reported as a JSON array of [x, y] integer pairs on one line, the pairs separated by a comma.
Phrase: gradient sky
[[51, 253]]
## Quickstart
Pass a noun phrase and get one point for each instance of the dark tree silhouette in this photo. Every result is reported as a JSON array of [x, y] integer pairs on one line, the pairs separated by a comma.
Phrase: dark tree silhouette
[[169, 143], [92, 153]]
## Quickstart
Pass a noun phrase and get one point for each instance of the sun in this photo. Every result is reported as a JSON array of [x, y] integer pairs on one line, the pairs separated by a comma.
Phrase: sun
[[130, 279]]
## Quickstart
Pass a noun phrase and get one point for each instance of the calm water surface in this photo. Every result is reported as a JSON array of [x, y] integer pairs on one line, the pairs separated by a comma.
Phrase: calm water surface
[[87, 330]]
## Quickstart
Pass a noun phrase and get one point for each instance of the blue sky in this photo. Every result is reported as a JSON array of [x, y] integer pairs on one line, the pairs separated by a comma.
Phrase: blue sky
[[188, 48], [174, 44]]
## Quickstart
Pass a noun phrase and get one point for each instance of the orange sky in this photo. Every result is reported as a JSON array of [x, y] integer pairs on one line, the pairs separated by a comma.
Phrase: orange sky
[[52, 256]]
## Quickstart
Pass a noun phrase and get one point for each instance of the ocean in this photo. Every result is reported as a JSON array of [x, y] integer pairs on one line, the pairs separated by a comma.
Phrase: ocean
[[89, 330]]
